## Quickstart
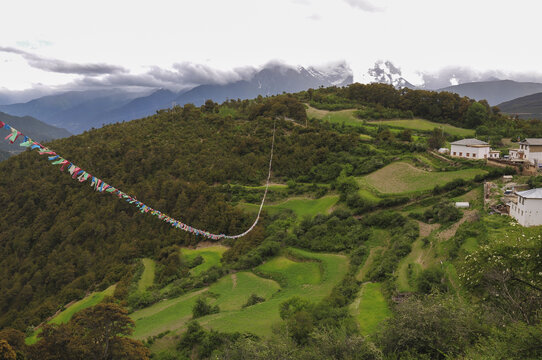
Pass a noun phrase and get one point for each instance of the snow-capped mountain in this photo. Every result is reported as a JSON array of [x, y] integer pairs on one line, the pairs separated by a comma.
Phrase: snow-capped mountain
[[82, 110], [387, 73]]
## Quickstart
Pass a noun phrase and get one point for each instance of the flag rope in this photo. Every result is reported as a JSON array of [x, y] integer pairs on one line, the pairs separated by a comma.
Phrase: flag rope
[[101, 186]]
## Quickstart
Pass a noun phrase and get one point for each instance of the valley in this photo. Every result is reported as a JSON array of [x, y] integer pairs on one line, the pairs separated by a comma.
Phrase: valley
[[360, 238]]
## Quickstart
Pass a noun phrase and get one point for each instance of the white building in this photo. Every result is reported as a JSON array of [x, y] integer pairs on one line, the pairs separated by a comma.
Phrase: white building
[[529, 150], [494, 154], [528, 209], [470, 149]]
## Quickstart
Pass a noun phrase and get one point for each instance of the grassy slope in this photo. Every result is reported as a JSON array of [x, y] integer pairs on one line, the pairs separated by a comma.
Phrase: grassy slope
[[371, 308], [65, 316], [311, 279], [147, 278], [300, 206], [426, 125], [401, 177], [211, 257], [348, 118]]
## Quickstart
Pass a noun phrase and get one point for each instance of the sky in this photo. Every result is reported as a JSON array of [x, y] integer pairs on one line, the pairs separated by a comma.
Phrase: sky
[[59, 44]]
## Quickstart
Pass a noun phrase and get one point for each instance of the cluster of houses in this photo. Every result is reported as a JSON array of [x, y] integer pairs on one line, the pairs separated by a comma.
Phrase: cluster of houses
[[526, 206], [530, 150]]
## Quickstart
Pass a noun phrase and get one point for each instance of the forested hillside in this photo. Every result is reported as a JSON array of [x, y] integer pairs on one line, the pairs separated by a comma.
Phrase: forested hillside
[[360, 253], [32, 127]]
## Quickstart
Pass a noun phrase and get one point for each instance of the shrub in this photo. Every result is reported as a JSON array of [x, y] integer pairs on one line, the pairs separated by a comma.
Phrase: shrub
[[202, 308], [253, 300]]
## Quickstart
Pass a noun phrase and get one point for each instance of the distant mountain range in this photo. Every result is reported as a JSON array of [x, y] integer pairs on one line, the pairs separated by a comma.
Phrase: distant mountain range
[[35, 129], [78, 111], [495, 92], [525, 107]]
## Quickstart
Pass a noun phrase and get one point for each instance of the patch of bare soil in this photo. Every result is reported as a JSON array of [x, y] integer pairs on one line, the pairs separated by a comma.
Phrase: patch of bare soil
[[469, 215], [426, 229]]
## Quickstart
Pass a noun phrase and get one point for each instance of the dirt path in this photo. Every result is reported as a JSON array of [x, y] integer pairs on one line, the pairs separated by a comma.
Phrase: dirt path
[[234, 281], [426, 229], [469, 215]]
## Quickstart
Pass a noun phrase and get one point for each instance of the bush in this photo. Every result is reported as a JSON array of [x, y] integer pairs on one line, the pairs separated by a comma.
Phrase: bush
[[431, 280], [443, 213], [202, 308], [253, 300], [434, 327]]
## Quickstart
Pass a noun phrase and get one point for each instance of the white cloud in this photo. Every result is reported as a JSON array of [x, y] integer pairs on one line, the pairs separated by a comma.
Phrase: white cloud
[[365, 5]]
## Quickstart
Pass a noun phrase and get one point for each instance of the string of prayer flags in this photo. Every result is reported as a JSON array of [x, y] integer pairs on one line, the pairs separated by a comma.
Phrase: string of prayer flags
[[102, 187]]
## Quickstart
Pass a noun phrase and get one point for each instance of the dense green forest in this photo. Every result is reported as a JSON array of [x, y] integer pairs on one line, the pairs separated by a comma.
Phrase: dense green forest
[[473, 294]]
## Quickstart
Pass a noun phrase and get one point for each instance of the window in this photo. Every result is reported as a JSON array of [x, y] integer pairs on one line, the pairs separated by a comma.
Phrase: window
[[467, 154], [454, 153], [460, 154]]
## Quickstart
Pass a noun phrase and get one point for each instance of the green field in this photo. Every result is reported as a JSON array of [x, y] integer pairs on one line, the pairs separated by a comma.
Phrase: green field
[[312, 276], [340, 116], [300, 206], [147, 278], [425, 125], [402, 177], [370, 308], [348, 118], [291, 273], [211, 257], [65, 316]]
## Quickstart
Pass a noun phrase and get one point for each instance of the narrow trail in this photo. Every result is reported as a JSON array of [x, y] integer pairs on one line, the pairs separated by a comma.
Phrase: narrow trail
[[447, 234], [234, 281]]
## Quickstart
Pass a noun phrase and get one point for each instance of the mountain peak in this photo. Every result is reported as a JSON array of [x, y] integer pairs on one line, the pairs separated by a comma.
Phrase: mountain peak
[[387, 73]]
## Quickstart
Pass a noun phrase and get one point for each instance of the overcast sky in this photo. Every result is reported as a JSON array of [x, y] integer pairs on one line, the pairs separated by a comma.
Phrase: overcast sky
[[54, 43]]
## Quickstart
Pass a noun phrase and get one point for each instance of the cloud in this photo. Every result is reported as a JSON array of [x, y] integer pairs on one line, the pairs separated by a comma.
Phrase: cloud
[[314, 17], [181, 76], [454, 75], [64, 67], [364, 5], [202, 74]]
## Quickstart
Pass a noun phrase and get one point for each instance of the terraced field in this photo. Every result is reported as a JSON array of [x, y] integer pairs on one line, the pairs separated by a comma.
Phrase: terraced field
[[402, 177], [297, 273], [300, 206], [211, 257]]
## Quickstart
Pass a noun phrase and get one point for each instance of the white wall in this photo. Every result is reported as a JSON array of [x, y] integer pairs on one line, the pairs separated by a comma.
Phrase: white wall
[[481, 152], [528, 212]]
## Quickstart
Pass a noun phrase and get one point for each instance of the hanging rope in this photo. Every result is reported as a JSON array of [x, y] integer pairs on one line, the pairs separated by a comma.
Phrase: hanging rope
[[101, 186]]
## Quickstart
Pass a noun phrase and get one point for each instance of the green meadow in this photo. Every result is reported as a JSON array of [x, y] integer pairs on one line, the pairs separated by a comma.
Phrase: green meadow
[[65, 316], [147, 278], [211, 257], [370, 308]]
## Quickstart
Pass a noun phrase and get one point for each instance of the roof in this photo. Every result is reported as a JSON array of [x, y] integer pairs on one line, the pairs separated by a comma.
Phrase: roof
[[531, 194], [470, 142], [532, 141]]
